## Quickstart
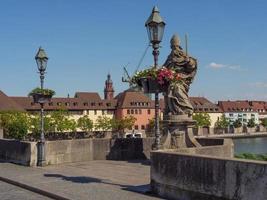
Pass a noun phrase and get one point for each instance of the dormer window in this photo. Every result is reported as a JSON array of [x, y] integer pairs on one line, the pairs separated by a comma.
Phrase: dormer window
[[93, 104], [75, 104], [85, 104]]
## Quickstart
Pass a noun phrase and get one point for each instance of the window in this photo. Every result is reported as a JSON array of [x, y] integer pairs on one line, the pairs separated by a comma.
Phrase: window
[[93, 104], [132, 112], [143, 127], [75, 104], [32, 103], [108, 104], [85, 104], [50, 103], [148, 111], [67, 104], [59, 103], [136, 111], [231, 115], [140, 111], [128, 112], [136, 127]]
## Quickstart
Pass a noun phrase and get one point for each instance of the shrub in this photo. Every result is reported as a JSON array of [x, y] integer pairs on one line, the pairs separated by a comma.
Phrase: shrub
[[264, 122], [202, 119], [15, 124], [85, 124], [251, 123], [222, 122], [237, 123]]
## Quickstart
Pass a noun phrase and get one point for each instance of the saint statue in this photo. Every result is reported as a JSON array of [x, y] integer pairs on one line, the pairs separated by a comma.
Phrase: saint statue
[[176, 97]]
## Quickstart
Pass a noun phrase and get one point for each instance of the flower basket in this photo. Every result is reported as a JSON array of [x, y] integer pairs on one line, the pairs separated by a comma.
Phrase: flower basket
[[41, 98], [152, 86]]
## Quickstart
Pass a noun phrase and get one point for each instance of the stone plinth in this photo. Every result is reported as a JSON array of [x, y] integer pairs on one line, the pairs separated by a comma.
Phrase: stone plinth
[[178, 132]]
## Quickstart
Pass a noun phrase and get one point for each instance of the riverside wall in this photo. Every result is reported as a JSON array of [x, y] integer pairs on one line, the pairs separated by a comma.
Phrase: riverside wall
[[78, 150], [190, 176]]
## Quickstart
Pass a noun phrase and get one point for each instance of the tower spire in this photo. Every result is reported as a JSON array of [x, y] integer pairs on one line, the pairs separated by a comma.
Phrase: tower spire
[[108, 90]]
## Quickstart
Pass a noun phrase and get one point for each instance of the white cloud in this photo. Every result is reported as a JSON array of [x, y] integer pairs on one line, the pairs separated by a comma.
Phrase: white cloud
[[215, 65], [258, 85]]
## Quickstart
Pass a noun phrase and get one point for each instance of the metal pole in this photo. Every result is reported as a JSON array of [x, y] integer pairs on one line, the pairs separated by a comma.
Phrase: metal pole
[[41, 146], [157, 131]]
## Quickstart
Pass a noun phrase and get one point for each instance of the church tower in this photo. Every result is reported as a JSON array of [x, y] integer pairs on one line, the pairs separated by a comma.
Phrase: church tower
[[108, 91]]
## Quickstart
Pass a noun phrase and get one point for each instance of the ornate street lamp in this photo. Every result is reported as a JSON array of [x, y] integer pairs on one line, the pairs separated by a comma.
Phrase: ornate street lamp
[[155, 29], [41, 60]]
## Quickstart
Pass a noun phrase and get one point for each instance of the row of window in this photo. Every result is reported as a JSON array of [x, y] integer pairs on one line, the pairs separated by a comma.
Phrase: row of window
[[140, 103], [206, 109], [76, 104], [143, 127], [137, 111]]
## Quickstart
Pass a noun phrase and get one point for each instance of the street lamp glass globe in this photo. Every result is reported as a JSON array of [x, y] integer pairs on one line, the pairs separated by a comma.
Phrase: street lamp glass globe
[[41, 60]]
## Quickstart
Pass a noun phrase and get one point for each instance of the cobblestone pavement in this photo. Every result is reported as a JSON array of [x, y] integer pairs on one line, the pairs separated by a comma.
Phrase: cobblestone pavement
[[97, 180], [11, 192]]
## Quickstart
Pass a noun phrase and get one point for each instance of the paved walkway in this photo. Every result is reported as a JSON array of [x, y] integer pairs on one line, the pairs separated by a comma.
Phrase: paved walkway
[[97, 180]]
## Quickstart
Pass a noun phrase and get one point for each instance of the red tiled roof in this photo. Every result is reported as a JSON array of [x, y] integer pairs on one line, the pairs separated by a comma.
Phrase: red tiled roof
[[200, 104], [133, 99], [68, 103], [89, 96], [235, 106], [7, 104]]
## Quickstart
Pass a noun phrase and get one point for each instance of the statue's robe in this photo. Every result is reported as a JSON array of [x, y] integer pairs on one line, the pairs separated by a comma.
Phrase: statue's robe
[[176, 98]]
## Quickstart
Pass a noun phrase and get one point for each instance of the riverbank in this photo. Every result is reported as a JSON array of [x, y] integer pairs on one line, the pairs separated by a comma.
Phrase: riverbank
[[236, 135]]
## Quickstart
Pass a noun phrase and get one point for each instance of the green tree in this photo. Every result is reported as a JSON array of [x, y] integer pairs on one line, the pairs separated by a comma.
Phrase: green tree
[[85, 123], [202, 119], [104, 123], [125, 123], [251, 123], [264, 122], [222, 122], [15, 124], [237, 123], [59, 120]]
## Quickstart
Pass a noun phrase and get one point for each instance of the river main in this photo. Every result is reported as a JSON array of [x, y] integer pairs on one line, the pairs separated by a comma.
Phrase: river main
[[251, 145]]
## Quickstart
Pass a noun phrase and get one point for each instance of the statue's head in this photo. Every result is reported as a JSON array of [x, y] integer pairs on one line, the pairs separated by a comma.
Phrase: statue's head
[[175, 42]]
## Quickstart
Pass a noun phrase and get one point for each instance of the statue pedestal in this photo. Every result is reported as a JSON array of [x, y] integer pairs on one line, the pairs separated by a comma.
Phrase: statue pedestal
[[178, 132]]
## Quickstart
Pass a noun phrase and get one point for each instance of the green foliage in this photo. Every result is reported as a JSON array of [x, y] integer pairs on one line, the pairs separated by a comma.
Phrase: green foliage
[[15, 124], [124, 123], [222, 122], [202, 119], [42, 91], [264, 122], [251, 123], [59, 122], [104, 123], [237, 123], [262, 157], [85, 124]]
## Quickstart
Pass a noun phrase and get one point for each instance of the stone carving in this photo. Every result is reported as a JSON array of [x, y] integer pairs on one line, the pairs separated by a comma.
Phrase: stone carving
[[176, 97]]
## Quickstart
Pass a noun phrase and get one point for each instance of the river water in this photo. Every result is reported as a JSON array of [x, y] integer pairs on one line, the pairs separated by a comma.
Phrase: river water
[[251, 145]]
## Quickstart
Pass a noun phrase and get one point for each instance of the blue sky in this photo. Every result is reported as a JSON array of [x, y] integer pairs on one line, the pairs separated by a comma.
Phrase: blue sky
[[85, 40]]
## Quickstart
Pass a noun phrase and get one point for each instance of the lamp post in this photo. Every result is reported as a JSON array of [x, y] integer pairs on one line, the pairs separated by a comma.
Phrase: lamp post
[[41, 60], [155, 29]]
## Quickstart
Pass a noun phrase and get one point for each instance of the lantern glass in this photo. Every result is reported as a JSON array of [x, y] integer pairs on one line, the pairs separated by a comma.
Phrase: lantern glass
[[41, 63], [155, 32]]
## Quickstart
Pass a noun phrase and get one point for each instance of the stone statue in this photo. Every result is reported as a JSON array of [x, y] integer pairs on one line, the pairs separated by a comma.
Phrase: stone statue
[[176, 97]]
